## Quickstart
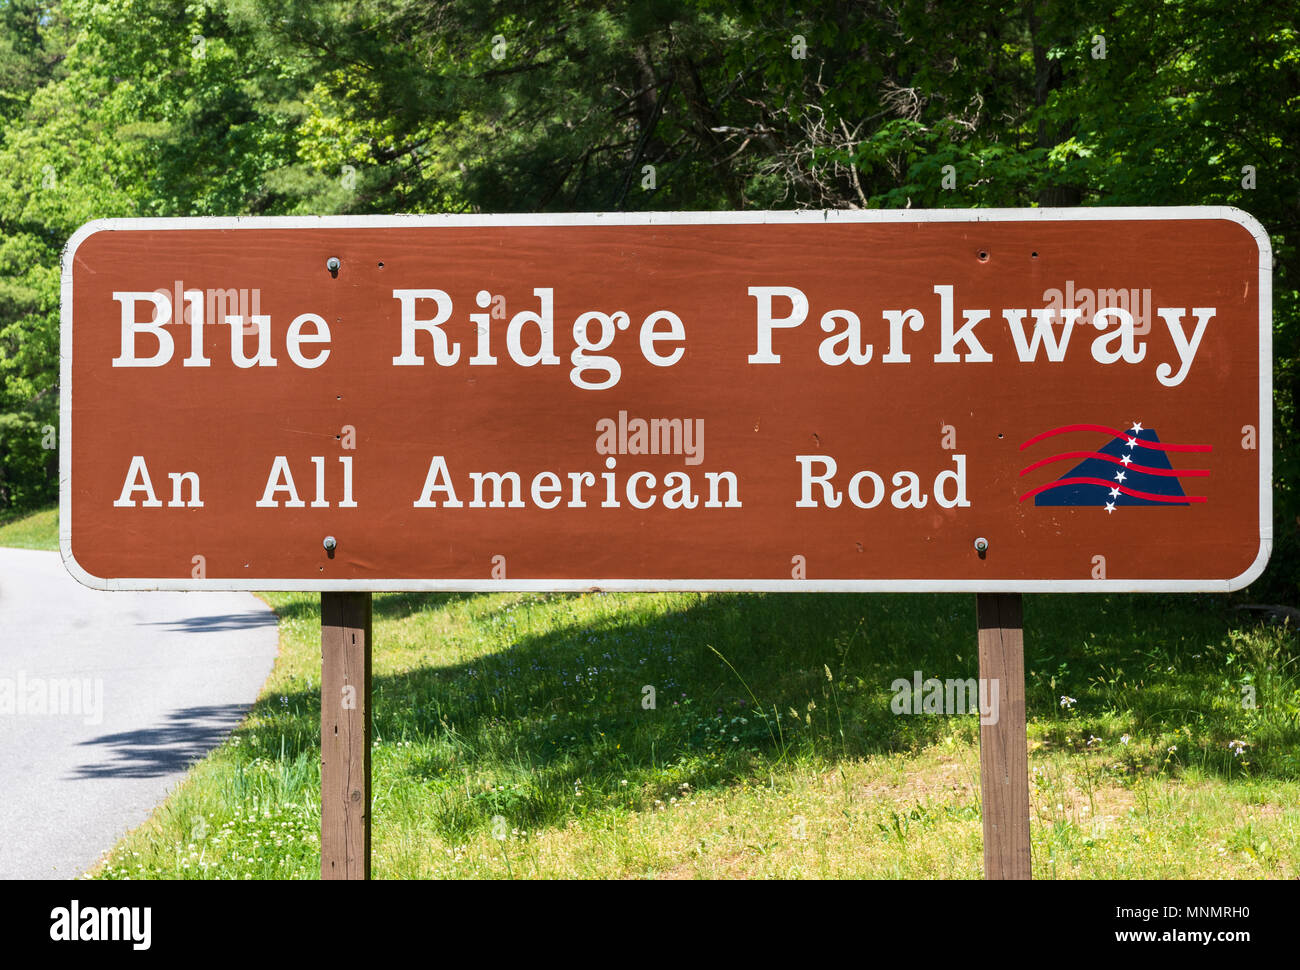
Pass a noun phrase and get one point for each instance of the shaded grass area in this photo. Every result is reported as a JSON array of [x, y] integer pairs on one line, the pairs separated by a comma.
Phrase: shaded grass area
[[752, 735], [33, 530]]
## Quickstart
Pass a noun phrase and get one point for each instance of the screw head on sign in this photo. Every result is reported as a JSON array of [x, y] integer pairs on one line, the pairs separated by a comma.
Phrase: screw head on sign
[[981, 546], [330, 543], [332, 264]]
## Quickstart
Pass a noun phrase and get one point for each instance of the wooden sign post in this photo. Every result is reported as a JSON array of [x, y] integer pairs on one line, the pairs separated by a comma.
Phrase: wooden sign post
[[1004, 755], [345, 735], [993, 401]]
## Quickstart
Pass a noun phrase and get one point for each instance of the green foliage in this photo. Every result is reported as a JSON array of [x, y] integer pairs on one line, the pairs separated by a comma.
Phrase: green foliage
[[28, 462], [208, 107], [33, 40]]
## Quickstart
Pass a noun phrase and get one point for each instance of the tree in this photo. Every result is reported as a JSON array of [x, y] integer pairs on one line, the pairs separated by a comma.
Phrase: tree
[[172, 107]]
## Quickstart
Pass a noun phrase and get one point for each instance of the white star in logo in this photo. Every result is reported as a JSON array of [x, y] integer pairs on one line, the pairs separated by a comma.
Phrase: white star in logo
[[1110, 507], [1119, 476], [1132, 442], [1114, 493], [1137, 426], [1126, 459]]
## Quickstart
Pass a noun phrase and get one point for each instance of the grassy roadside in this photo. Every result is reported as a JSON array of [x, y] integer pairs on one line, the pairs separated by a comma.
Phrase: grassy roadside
[[35, 530], [514, 739]]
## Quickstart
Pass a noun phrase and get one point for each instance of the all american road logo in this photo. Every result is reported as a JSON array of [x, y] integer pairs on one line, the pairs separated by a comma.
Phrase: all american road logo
[[1129, 468]]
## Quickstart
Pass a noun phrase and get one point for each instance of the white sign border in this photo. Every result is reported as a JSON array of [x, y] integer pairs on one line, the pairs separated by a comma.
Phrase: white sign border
[[450, 220]]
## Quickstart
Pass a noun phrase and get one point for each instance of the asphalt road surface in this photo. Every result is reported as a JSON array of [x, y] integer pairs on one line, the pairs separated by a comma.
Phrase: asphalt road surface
[[105, 700]]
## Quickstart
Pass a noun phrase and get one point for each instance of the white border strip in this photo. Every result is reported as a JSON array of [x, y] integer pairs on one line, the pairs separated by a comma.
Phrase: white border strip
[[1118, 213]]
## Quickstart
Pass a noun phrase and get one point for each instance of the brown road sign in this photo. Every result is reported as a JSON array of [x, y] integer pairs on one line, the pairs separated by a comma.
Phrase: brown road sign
[[990, 400]]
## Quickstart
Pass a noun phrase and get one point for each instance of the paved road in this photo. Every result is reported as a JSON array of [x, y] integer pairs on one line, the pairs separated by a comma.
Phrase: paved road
[[176, 671]]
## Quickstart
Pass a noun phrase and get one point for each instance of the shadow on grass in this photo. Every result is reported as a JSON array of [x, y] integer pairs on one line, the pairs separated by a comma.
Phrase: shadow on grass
[[627, 706], [387, 606]]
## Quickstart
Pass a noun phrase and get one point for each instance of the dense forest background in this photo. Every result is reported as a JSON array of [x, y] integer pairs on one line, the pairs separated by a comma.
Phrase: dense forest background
[[227, 107]]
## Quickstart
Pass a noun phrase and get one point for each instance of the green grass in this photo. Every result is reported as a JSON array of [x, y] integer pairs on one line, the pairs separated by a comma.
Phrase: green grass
[[35, 530], [513, 739]]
